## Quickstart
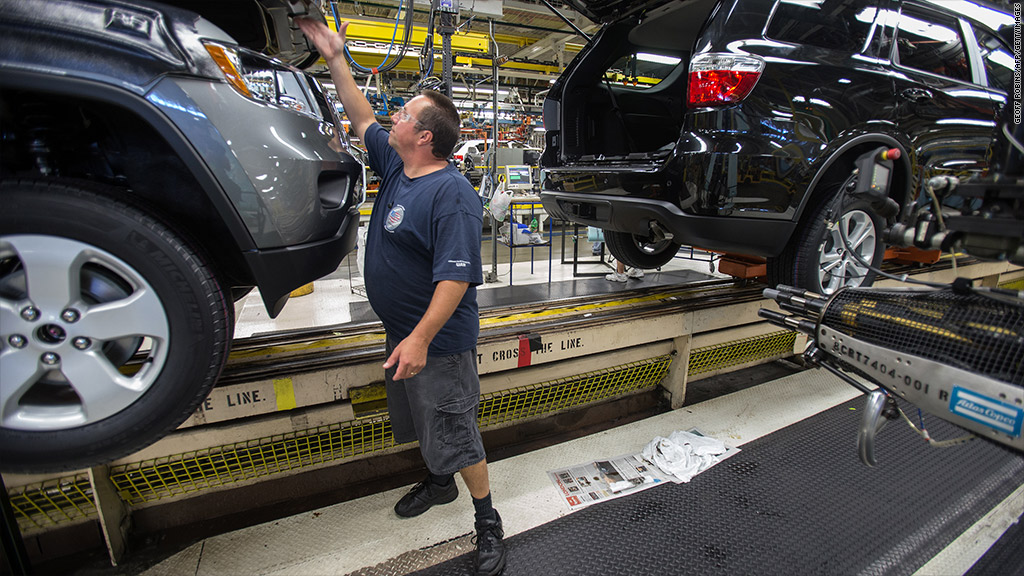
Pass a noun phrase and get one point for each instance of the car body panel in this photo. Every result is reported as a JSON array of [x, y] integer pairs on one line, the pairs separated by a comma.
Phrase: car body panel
[[951, 124], [281, 180], [161, 121], [125, 44], [265, 26], [279, 201]]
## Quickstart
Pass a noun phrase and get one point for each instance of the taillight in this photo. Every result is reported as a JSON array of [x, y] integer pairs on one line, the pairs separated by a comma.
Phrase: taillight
[[719, 79]]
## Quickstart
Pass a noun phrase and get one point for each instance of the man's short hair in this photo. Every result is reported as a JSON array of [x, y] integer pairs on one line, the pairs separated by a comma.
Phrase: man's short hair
[[442, 119]]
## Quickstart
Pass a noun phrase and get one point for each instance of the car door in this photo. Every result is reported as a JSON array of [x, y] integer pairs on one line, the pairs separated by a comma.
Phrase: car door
[[942, 103], [997, 61]]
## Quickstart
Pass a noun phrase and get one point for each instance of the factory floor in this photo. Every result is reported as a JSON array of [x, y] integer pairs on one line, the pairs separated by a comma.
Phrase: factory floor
[[791, 496], [793, 499]]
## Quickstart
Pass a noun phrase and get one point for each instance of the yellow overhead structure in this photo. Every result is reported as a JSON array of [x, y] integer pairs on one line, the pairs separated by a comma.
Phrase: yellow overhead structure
[[366, 36], [368, 59], [486, 62], [372, 31], [371, 59]]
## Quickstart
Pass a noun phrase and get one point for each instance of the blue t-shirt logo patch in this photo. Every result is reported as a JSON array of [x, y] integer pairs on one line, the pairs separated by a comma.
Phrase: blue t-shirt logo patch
[[394, 218]]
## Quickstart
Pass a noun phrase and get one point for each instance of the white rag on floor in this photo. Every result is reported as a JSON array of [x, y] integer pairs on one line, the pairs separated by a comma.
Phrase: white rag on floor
[[684, 454]]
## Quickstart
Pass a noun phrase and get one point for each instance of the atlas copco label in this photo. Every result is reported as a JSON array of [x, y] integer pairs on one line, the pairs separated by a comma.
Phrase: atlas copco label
[[988, 411]]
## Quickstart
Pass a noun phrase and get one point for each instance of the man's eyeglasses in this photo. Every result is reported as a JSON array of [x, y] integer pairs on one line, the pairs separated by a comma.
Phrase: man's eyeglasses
[[404, 116]]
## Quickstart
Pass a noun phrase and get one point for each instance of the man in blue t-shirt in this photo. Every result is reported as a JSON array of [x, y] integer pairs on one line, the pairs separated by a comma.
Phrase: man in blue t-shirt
[[422, 266]]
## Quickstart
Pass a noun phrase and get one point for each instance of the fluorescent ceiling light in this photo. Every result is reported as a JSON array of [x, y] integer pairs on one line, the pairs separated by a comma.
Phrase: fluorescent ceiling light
[[463, 89], [657, 58]]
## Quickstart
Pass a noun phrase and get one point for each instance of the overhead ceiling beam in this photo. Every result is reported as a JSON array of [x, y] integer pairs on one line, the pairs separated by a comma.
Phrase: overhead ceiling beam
[[538, 9], [550, 43], [505, 73], [374, 31], [381, 30], [528, 8], [366, 57]]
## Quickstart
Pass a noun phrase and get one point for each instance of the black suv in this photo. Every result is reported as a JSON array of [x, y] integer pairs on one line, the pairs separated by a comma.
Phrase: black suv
[[733, 125], [157, 161]]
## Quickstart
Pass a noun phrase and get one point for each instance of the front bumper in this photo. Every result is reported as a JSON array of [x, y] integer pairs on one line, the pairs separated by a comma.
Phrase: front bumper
[[286, 175], [280, 270]]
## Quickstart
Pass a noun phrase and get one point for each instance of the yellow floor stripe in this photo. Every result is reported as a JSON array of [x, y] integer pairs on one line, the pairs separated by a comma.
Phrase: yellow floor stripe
[[323, 343], [484, 322], [570, 309], [285, 393]]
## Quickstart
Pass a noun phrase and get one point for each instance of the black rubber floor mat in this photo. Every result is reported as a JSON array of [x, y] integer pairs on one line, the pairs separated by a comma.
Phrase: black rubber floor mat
[[797, 501], [576, 287], [360, 311]]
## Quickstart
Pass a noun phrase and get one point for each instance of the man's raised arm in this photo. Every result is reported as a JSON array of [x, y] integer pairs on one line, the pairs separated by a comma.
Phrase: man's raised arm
[[332, 48]]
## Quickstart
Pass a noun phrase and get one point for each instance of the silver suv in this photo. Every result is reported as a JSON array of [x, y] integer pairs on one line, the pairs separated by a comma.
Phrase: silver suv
[[157, 162]]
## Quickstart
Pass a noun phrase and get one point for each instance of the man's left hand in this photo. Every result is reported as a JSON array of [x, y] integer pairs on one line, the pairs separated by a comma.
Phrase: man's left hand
[[410, 356]]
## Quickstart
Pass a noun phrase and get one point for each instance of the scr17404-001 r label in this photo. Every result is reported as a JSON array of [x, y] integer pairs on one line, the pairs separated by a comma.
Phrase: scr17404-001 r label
[[887, 367]]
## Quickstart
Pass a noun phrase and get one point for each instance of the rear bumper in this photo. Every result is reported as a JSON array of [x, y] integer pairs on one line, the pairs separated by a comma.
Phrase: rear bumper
[[760, 237]]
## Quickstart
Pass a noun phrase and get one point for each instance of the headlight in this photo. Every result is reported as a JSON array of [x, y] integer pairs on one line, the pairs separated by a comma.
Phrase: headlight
[[264, 80], [328, 108]]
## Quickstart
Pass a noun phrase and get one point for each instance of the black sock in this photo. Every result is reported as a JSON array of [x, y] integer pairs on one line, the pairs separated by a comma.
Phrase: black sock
[[442, 479], [484, 508]]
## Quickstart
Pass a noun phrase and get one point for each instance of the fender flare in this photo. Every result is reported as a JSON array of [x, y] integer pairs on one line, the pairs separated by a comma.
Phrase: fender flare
[[875, 138], [79, 88]]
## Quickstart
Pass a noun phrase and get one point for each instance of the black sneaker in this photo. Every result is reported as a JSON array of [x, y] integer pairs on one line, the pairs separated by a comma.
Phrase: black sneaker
[[423, 496], [490, 550]]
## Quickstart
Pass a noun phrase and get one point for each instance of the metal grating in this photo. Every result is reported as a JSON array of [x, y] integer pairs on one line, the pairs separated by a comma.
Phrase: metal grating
[[178, 474], [52, 502], [971, 331], [525, 401], [189, 472], [1017, 284], [711, 358]]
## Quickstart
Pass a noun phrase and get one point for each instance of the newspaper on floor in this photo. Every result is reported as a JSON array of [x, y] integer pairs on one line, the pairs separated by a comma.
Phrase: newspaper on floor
[[585, 484]]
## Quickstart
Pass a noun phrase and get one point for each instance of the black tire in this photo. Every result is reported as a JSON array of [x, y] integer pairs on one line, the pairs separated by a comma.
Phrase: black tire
[[640, 252], [154, 315], [816, 259]]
